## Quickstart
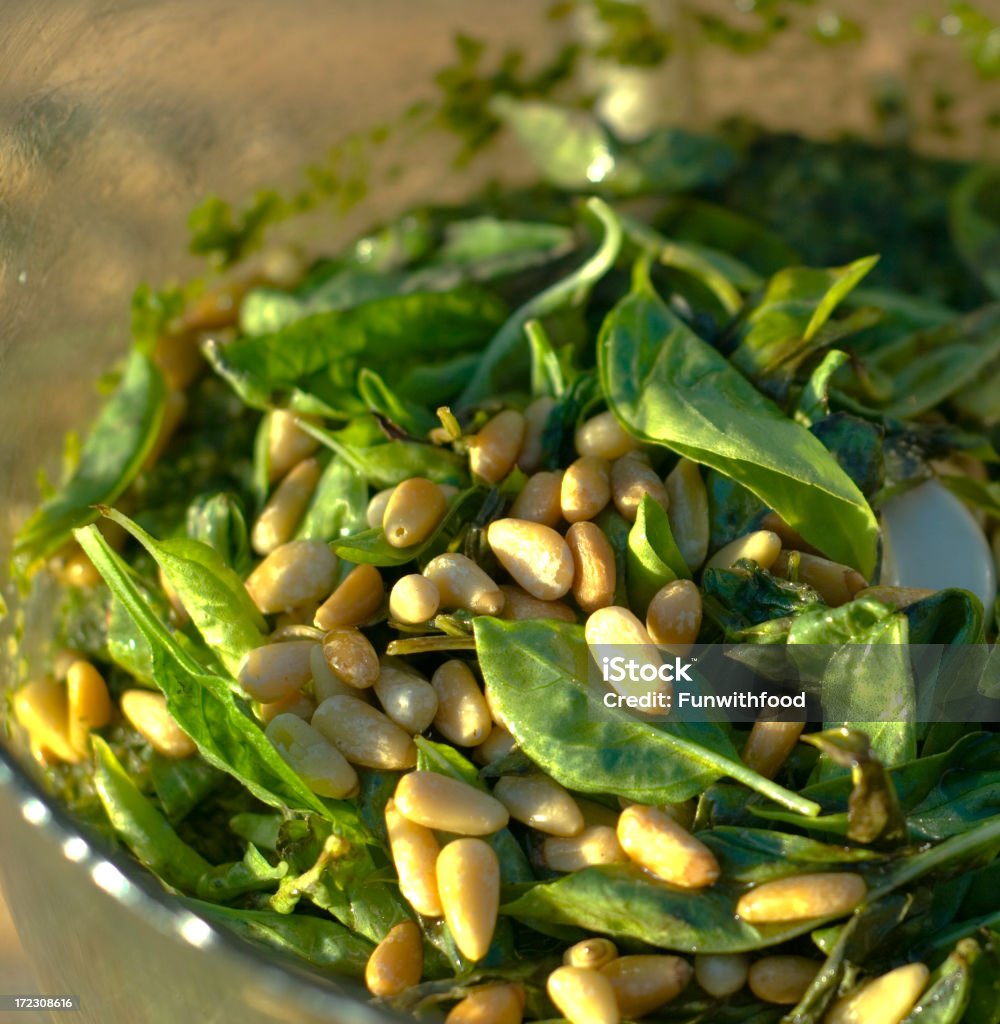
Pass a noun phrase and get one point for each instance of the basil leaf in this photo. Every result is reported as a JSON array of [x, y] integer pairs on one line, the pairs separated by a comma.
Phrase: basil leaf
[[181, 785], [229, 881], [946, 998], [338, 505], [112, 455], [669, 387], [653, 556], [218, 520], [536, 678]]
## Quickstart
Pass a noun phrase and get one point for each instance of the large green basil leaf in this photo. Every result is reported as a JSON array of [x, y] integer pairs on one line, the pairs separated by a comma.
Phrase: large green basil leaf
[[536, 678], [653, 556], [110, 458], [669, 387], [338, 505]]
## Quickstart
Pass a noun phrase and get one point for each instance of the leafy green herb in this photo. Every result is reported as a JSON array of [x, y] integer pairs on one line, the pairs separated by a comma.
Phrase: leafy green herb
[[653, 556]]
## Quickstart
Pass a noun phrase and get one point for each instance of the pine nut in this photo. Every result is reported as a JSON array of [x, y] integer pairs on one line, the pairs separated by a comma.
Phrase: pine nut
[[88, 703], [595, 813], [883, 1000], [298, 704], [78, 571], [414, 510], [316, 761], [836, 584], [287, 443], [769, 744], [356, 601], [782, 979], [540, 802], [351, 657], [632, 477], [602, 435], [397, 962], [583, 996], [535, 555], [539, 500], [596, 844], [594, 571], [762, 547], [275, 671], [40, 708], [586, 488], [673, 618], [519, 605], [614, 631], [591, 953], [175, 407], [462, 716], [789, 538], [802, 897], [281, 515], [414, 599], [494, 450], [364, 735], [721, 974], [468, 877], [407, 698], [301, 616], [414, 853], [895, 597], [462, 584], [375, 513], [148, 714], [688, 511], [498, 744], [536, 417], [494, 1004], [448, 805], [327, 684], [657, 843], [297, 573], [645, 983], [178, 357]]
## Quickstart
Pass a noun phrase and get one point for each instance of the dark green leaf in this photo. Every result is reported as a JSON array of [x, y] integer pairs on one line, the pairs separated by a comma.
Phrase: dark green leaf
[[975, 224], [252, 874], [946, 998], [219, 521], [181, 785]]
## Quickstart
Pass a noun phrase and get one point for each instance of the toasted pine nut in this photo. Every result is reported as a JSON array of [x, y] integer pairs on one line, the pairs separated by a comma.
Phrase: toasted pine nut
[[595, 813], [277, 521], [836, 584], [643, 984], [78, 571], [175, 406], [355, 601], [539, 500], [298, 704], [586, 488], [274, 671], [41, 709], [520, 605], [596, 844], [632, 477], [494, 1004], [397, 962], [414, 599], [536, 417], [769, 744], [657, 843], [364, 735], [462, 716], [762, 547], [602, 435], [148, 714], [88, 703], [535, 555], [782, 979], [287, 443], [583, 996], [688, 511], [315, 760], [462, 584], [540, 802], [895, 597], [63, 660], [414, 853], [414, 510], [494, 450], [673, 617], [801, 897], [594, 571], [448, 805], [591, 953], [883, 1000], [615, 630], [177, 356], [326, 683], [297, 573], [468, 877], [351, 657], [407, 698], [721, 974], [498, 744], [375, 513]]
